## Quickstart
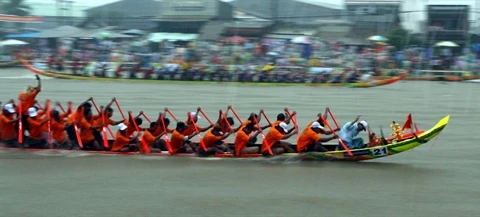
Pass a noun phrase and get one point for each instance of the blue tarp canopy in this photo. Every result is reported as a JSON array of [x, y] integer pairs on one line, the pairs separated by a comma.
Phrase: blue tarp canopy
[[22, 35]]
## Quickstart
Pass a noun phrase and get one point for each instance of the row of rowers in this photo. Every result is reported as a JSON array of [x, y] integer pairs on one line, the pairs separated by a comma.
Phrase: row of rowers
[[62, 126]]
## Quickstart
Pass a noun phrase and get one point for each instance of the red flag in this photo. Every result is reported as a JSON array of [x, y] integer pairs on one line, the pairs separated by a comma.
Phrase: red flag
[[408, 122]]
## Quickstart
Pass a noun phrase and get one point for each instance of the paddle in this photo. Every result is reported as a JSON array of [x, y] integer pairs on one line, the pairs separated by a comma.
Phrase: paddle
[[196, 129], [120, 109], [264, 141], [235, 114], [142, 142], [104, 130], [171, 114], [61, 107], [167, 141], [49, 123], [20, 122], [79, 140], [147, 118], [293, 120], [338, 138], [384, 141], [266, 118]]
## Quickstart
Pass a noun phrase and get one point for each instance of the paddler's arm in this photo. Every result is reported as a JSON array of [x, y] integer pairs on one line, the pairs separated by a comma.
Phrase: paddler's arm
[[220, 116], [265, 127], [287, 120], [238, 128], [291, 130], [83, 103], [193, 135], [289, 134], [327, 139], [97, 127], [205, 129], [44, 121], [13, 121], [159, 136], [139, 114], [355, 121], [39, 83], [325, 115], [330, 132], [226, 135], [118, 122], [260, 115], [110, 103], [255, 134]]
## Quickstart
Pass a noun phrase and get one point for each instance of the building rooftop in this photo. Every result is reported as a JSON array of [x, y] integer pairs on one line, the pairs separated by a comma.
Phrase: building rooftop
[[45, 9]]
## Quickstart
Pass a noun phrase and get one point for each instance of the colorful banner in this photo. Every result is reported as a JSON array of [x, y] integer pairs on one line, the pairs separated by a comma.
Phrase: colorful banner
[[20, 19]]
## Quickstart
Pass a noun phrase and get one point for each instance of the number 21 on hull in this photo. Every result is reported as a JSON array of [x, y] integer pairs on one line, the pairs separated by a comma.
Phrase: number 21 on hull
[[379, 152]]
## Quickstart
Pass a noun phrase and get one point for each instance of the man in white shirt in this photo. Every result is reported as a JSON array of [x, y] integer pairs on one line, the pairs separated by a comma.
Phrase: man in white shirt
[[348, 133]]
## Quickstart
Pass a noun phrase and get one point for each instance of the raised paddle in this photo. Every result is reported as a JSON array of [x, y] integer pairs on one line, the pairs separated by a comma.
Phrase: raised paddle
[[49, 123], [196, 129], [142, 141], [206, 117], [235, 114], [147, 118], [266, 118], [79, 140], [60, 106], [171, 114], [295, 124], [339, 140], [104, 130], [333, 118], [20, 122], [120, 109], [264, 141], [167, 141]]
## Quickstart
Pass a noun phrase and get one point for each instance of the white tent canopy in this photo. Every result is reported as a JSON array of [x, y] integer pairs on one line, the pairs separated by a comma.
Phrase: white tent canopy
[[446, 44], [12, 42], [162, 36]]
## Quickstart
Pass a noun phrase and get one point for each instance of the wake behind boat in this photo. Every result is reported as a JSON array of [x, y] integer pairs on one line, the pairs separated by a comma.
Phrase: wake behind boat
[[372, 83]]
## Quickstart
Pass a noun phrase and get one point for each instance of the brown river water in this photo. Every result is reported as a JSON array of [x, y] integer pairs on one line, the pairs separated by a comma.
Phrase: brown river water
[[440, 178]]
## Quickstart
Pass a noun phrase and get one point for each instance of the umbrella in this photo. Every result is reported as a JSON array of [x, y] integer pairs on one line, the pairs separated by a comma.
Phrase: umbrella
[[12, 42], [446, 44], [301, 40], [377, 38]]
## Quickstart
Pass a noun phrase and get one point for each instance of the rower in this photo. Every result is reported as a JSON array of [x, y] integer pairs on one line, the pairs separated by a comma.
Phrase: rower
[[58, 127], [179, 142], [242, 139], [319, 119], [348, 133], [225, 123], [275, 135], [8, 125], [75, 118], [311, 141], [162, 120], [153, 141], [36, 138], [86, 131], [213, 142], [27, 99], [131, 125], [123, 143], [251, 119], [191, 127], [98, 119]]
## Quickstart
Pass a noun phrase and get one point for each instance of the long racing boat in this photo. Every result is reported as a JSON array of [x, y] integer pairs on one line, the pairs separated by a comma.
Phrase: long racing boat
[[372, 83], [408, 142]]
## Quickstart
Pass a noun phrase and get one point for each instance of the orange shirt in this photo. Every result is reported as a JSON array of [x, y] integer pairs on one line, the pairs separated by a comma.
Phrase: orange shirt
[[8, 129], [210, 139], [309, 125], [36, 131], [76, 116], [245, 123], [120, 141], [160, 130], [276, 123], [225, 128], [176, 142], [306, 138], [130, 128], [271, 138], [85, 133], [240, 142], [148, 137], [190, 130], [58, 131], [27, 100], [98, 120]]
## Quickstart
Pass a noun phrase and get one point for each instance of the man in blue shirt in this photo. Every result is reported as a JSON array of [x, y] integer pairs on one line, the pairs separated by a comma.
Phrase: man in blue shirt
[[348, 133]]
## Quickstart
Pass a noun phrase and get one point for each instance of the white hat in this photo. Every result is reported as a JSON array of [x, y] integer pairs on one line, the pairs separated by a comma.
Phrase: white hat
[[32, 112], [122, 126], [193, 114], [284, 126], [316, 125], [365, 125], [9, 107]]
